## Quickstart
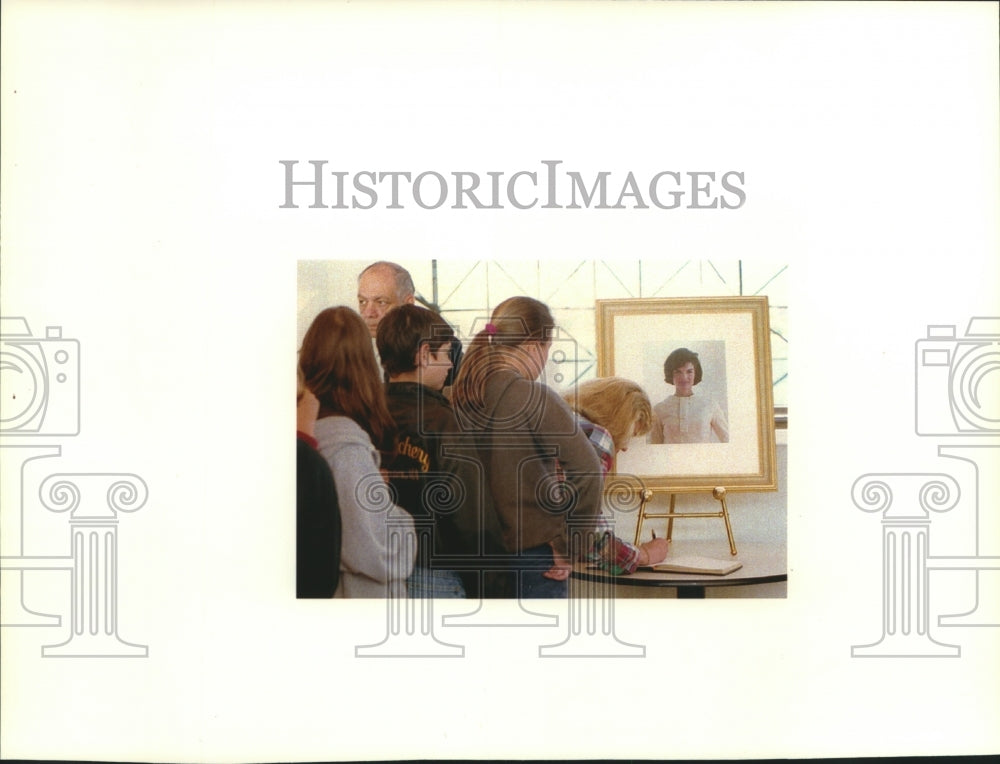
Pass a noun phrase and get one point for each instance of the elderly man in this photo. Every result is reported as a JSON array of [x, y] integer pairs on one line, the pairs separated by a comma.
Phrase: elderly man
[[381, 287]]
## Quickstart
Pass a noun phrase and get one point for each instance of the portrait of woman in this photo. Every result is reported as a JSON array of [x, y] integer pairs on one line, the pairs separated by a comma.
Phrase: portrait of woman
[[687, 415]]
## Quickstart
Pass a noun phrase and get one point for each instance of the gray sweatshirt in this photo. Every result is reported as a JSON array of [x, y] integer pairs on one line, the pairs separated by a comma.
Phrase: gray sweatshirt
[[368, 566]]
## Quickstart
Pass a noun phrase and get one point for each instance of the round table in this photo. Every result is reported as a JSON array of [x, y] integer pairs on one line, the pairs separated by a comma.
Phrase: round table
[[762, 564]]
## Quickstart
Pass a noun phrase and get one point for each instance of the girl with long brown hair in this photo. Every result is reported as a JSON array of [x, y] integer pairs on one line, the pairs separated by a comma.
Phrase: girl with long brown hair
[[353, 427], [541, 472]]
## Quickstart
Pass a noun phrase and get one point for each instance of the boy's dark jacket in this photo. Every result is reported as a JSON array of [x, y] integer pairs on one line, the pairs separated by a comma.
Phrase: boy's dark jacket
[[432, 484]]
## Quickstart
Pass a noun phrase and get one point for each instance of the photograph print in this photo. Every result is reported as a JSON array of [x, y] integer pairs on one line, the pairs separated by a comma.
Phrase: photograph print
[[705, 363]]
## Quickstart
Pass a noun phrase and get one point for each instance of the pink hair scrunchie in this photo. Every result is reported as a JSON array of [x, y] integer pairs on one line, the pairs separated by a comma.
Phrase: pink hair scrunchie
[[491, 329]]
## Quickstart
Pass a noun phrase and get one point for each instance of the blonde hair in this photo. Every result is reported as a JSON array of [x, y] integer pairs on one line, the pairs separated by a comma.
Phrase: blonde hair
[[514, 322], [618, 405]]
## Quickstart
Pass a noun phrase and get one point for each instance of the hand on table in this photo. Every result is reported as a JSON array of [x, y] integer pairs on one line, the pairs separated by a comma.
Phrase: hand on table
[[561, 567], [653, 551]]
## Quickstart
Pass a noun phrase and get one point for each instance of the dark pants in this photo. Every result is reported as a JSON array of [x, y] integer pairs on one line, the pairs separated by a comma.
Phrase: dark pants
[[522, 577]]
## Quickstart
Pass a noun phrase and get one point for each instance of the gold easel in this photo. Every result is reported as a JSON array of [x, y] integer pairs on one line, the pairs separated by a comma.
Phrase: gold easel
[[717, 493]]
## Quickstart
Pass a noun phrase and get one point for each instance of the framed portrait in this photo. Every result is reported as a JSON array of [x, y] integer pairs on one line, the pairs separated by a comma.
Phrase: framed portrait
[[705, 363]]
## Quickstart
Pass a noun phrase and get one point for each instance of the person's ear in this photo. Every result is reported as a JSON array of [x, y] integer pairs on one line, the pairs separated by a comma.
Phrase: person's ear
[[423, 359]]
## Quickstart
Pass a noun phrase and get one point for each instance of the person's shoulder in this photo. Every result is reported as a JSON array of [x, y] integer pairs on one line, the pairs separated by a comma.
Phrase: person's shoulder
[[310, 462], [593, 430], [504, 383], [406, 399], [340, 429], [514, 387], [513, 383], [555, 399], [402, 389], [305, 451], [502, 377], [437, 407], [400, 398]]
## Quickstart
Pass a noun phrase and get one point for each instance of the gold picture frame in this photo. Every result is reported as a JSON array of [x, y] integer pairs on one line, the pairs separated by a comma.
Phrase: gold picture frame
[[732, 338]]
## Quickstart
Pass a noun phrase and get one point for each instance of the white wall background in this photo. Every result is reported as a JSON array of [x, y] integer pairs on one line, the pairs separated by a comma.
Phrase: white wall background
[[140, 211]]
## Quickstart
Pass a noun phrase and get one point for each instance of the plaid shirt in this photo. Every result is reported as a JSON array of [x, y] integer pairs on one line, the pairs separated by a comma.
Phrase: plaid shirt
[[616, 556], [602, 442], [609, 552]]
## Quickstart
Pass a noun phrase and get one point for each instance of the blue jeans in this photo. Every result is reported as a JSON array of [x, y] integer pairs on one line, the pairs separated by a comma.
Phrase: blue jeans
[[522, 577], [435, 584], [533, 585]]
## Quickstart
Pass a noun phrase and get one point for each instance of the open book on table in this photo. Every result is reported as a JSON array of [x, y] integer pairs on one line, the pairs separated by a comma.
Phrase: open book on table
[[695, 564]]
